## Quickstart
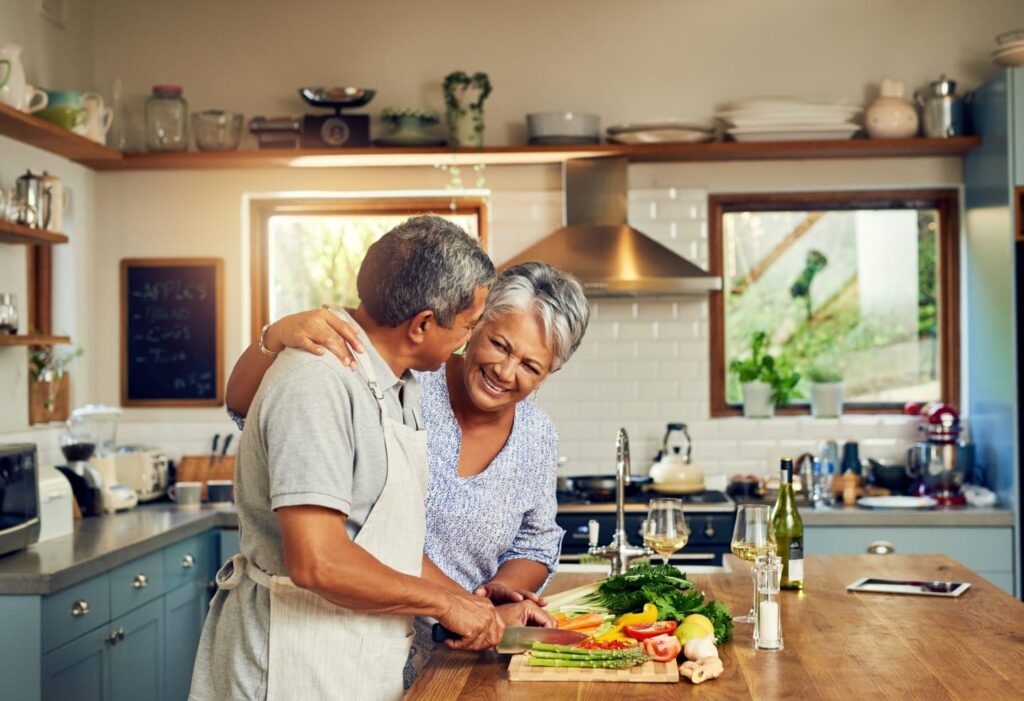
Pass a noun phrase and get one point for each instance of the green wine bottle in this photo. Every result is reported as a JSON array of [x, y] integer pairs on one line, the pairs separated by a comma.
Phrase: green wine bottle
[[789, 530]]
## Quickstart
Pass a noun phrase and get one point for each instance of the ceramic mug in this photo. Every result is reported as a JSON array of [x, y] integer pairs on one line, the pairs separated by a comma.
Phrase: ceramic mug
[[34, 99], [64, 116], [188, 494], [220, 491]]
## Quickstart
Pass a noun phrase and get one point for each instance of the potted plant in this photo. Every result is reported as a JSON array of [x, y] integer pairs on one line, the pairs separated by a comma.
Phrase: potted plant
[[826, 380], [48, 386], [766, 382], [464, 97]]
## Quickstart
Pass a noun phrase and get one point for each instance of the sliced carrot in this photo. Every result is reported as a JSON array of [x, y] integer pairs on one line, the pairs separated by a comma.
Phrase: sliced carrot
[[559, 618], [589, 620]]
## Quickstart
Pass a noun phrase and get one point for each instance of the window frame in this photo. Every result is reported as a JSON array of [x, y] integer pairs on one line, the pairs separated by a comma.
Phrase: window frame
[[261, 210], [944, 200]]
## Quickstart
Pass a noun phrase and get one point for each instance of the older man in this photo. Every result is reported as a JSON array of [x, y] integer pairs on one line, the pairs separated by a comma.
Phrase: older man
[[330, 493]]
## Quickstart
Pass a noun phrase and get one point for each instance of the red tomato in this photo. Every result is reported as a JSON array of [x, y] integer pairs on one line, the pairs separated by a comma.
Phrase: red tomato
[[643, 631], [663, 648]]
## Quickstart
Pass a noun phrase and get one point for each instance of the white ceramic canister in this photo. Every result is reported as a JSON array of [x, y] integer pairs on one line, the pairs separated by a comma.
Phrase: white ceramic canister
[[55, 199], [891, 115]]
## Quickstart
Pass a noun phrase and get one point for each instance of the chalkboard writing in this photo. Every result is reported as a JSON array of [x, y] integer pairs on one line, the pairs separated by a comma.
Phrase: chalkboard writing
[[171, 332]]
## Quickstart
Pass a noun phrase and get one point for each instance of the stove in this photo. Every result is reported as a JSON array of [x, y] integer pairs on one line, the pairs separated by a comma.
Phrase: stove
[[709, 514]]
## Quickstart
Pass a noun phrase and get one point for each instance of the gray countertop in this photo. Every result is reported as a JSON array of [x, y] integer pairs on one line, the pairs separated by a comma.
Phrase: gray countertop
[[101, 543], [967, 517]]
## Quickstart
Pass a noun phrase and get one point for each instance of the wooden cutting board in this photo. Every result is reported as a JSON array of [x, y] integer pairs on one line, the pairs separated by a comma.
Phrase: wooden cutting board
[[202, 468], [520, 671]]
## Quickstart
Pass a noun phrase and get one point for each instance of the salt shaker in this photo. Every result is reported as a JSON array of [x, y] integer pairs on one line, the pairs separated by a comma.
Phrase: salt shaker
[[767, 613]]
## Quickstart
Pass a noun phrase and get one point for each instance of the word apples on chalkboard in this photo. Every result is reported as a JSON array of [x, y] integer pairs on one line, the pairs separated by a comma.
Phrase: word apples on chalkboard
[[171, 331]]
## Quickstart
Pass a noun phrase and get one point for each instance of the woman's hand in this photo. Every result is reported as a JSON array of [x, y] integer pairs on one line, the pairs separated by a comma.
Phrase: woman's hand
[[316, 331], [501, 593], [525, 613]]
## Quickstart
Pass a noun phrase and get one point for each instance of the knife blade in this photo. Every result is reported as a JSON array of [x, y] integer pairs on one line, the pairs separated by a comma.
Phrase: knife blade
[[518, 639]]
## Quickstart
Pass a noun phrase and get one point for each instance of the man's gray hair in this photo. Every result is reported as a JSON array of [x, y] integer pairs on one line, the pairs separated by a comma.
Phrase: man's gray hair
[[556, 299], [424, 263]]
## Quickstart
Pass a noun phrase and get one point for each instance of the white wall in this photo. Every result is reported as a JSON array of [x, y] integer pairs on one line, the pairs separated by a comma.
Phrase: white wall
[[626, 61]]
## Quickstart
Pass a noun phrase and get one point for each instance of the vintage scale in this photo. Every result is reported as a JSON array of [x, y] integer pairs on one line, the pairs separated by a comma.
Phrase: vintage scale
[[336, 130]]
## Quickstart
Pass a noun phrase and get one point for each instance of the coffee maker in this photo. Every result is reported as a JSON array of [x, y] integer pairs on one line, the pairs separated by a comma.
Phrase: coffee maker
[[88, 445]]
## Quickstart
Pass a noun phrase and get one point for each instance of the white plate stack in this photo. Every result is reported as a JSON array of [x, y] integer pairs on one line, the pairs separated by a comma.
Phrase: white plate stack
[[665, 131], [1010, 48], [789, 119]]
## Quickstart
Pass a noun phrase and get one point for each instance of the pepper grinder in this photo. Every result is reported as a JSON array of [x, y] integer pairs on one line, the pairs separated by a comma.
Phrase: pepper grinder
[[767, 613]]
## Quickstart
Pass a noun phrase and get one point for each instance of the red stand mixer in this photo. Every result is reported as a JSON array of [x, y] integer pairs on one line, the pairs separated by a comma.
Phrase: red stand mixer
[[940, 464]]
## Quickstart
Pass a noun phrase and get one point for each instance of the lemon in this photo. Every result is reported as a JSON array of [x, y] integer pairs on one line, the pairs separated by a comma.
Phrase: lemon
[[702, 620], [690, 630]]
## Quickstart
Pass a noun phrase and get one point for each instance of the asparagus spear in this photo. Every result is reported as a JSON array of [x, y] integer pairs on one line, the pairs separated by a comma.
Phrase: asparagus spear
[[593, 664]]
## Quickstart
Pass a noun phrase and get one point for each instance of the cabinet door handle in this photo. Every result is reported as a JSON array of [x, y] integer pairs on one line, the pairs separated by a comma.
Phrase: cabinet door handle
[[881, 547], [79, 608], [120, 633], [709, 530], [111, 639], [188, 562], [141, 581]]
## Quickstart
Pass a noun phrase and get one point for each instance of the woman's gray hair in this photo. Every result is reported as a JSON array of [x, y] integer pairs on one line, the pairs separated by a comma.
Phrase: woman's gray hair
[[556, 298], [425, 262]]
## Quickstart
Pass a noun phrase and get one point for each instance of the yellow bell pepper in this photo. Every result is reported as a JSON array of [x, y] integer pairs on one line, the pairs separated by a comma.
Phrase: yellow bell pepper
[[648, 615]]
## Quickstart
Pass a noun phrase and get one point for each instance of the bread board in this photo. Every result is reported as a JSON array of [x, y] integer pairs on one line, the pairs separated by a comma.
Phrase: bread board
[[202, 468], [520, 671]]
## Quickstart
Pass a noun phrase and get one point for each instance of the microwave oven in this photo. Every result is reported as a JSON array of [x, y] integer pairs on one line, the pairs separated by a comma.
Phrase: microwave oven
[[19, 496]]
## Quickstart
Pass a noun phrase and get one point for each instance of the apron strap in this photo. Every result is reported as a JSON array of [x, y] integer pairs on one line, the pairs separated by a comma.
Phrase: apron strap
[[231, 573], [361, 358]]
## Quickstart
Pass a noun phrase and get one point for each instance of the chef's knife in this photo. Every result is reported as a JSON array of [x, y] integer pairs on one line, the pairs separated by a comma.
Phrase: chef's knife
[[213, 451], [227, 444], [519, 639]]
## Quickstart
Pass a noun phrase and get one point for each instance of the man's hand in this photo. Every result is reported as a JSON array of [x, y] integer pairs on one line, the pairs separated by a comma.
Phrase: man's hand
[[501, 593], [525, 613], [475, 619]]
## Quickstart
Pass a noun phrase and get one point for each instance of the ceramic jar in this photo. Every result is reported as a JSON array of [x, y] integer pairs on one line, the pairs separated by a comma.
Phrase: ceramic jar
[[892, 115]]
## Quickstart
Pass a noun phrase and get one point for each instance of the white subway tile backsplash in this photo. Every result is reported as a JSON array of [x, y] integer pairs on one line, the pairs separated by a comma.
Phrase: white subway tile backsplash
[[615, 310], [658, 309], [617, 350], [660, 389], [640, 331]]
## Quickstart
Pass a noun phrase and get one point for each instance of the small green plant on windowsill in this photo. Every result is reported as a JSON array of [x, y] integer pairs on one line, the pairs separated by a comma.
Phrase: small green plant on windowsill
[[825, 377], [767, 382]]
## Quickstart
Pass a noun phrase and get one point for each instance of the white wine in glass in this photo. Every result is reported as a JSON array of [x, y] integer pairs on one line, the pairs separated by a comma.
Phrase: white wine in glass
[[752, 536], [665, 529]]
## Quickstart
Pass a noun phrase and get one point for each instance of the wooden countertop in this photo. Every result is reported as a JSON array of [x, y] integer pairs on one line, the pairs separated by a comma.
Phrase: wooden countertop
[[837, 645]]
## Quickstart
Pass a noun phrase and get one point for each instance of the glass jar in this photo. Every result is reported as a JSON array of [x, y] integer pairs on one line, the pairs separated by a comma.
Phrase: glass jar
[[166, 119]]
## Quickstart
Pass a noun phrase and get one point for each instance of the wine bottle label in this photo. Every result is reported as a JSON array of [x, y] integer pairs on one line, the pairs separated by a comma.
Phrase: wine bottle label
[[796, 560]]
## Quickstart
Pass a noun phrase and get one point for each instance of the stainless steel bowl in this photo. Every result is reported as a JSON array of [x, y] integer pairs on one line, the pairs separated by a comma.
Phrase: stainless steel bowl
[[563, 128], [217, 130], [337, 97]]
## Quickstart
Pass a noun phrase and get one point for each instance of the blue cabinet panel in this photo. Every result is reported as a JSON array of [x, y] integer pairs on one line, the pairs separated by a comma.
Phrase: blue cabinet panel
[[20, 637], [137, 660], [184, 611], [78, 670], [187, 562], [75, 611], [1017, 123], [228, 543], [136, 583]]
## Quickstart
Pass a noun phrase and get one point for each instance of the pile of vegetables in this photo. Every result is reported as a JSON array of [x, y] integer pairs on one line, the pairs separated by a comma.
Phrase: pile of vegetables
[[668, 589]]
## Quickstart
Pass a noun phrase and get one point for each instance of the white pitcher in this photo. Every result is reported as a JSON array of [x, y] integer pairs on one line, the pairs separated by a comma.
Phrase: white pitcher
[[15, 91], [98, 118], [54, 202]]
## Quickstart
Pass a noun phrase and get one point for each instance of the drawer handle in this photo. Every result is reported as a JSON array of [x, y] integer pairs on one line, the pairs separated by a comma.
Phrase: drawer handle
[[188, 562], [141, 581], [881, 547], [114, 637], [80, 608]]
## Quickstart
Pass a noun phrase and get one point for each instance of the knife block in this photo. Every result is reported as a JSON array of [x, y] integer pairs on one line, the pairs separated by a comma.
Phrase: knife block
[[202, 468]]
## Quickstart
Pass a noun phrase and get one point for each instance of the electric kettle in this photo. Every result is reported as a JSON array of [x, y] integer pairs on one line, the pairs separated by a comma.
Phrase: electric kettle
[[674, 472]]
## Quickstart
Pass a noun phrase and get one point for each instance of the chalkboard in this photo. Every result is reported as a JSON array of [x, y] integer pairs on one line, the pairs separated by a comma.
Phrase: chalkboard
[[171, 332]]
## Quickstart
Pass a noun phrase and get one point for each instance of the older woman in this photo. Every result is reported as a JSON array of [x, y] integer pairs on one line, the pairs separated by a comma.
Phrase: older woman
[[492, 456]]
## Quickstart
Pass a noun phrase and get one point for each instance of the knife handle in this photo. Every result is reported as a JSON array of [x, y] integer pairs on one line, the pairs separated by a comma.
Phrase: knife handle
[[439, 634]]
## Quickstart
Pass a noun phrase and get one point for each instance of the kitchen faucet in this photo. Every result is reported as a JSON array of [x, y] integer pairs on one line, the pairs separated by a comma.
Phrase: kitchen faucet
[[619, 551]]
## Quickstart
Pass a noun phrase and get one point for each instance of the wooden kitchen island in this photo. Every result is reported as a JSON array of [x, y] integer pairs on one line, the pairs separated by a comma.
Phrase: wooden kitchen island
[[837, 645]]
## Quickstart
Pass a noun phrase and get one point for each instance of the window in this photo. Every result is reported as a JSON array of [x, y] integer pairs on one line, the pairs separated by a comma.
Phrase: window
[[863, 284], [306, 252]]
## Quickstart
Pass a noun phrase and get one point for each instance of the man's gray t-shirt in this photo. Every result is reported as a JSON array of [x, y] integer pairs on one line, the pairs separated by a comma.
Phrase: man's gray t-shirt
[[313, 437]]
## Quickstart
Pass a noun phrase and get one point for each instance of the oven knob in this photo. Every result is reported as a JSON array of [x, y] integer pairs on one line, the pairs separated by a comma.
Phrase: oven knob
[[709, 530]]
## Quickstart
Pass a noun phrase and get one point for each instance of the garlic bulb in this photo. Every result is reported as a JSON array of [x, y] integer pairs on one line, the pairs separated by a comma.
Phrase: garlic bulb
[[699, 648]]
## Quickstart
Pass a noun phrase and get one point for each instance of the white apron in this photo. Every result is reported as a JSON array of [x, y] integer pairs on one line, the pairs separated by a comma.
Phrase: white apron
[[319, 650]]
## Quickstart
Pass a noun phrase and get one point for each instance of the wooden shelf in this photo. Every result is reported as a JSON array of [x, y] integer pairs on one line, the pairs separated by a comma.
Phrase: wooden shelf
[[50, 137], [9, 340], [524, 155], [16, 233]]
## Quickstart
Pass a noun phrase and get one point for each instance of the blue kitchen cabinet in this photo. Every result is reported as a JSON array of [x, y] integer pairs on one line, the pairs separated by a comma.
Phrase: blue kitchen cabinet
[[79, 670], [184, 613], [229, 543], [137, 659]]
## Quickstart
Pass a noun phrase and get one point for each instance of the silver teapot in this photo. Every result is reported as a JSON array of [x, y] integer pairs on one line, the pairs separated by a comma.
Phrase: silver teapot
[[942, 110]]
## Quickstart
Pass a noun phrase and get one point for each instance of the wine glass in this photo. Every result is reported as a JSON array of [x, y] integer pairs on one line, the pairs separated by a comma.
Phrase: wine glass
[[752, 536], [665, 529]]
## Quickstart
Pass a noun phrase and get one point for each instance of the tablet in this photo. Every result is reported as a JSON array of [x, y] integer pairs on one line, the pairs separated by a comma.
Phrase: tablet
[[893, 586]]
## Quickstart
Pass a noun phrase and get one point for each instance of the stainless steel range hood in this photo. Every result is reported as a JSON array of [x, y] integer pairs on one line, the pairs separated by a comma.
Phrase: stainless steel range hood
[[597, 245]]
